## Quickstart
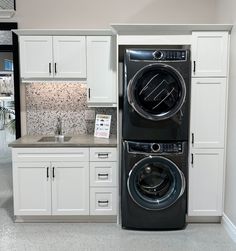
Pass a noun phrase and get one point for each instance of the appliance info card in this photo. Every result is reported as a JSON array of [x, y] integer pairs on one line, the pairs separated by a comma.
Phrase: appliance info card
[[102, 126]]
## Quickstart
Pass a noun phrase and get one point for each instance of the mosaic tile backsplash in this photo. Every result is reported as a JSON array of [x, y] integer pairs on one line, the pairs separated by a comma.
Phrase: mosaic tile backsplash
[[45, 102]]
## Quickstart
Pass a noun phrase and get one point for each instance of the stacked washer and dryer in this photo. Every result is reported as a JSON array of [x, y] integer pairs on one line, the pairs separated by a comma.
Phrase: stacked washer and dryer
[[155, 132]]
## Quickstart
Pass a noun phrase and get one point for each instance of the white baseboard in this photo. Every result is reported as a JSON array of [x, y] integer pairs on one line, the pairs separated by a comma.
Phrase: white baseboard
[[229, 226], [203, 219], [68, 219]]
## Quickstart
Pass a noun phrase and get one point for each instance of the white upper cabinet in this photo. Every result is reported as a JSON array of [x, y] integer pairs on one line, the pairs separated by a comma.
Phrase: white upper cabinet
[[209, 54], [101, 71], [36, 57], [69, 56], [208, 112], [206, 183], [52, 57]]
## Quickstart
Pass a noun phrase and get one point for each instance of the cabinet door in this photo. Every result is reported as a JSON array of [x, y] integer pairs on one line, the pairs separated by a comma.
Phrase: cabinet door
[[69, 56], [36, 57], [209, 54], [208, 115], [32, 188], [206, 183], [100, 70], [70, 188]]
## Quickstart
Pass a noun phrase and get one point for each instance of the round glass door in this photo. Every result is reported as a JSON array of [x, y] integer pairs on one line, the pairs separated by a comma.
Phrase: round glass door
[[155, 183], [157, 91]]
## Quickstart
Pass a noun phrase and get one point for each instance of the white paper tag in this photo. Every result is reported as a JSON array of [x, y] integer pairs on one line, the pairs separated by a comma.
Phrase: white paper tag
[[102, 126]]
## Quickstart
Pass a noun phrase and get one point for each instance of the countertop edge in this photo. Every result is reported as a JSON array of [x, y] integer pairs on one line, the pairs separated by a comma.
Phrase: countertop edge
[[76, 142]]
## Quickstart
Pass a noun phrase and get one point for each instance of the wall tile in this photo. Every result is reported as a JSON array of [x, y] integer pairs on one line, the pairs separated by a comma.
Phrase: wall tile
[[45, 102]]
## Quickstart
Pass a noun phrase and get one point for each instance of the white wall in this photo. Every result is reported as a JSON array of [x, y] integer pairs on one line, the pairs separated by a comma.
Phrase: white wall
[[99, 14], [226, 12]]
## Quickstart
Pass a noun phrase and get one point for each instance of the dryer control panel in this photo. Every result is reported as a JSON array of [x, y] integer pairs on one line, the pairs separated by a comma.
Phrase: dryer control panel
[[158, 55], [142, 147]]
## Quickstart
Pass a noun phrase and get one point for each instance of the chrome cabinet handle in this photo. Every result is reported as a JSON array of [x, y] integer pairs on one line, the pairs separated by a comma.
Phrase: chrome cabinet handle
[[103, 155], [53, 172], [50, 68], [192, 138], [192, 158], [89, 93], [55, 68], [103, 201], [194, 66], [47, 172]]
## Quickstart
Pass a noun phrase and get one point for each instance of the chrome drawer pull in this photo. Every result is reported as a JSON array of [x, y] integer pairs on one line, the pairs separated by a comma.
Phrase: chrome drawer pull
[[103, 201], [103, 175], [103, 155]]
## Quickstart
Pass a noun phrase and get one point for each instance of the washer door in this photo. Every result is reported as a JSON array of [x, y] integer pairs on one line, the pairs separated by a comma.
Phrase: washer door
[[155, 183], [157, 91]]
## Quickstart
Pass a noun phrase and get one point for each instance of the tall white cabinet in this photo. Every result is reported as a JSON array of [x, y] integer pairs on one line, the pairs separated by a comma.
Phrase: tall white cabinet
[[208, 123]]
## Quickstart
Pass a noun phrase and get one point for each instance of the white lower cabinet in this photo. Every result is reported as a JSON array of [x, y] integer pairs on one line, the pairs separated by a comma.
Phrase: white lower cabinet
[[32, 188], [45, 188], [206, 174], [70, 193], [74, 186]]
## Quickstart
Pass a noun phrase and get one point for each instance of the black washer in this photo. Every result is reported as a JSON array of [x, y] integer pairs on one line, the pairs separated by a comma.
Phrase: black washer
[[153, 185]]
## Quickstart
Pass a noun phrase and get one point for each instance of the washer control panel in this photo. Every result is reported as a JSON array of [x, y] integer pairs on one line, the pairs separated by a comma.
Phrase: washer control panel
[[157, 55], [142, 147]]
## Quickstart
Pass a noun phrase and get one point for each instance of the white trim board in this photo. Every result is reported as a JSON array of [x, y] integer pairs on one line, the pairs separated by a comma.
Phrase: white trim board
[[64, 32], [163, 29], [229, 226]]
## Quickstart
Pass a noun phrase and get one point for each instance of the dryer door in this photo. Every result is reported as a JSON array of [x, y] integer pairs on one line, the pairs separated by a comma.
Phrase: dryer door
[[155, 183], [157, 91]]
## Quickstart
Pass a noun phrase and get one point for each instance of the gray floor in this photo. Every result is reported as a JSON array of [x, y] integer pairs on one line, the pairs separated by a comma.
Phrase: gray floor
[[81, 237]]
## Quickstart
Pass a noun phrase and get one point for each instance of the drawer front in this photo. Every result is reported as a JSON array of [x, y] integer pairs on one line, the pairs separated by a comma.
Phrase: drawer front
[[103, 154], [103, 174], [103, 201], [50, 154]]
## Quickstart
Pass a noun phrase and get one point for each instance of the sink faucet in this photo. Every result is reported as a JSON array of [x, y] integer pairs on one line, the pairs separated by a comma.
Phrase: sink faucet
[[58, 130]]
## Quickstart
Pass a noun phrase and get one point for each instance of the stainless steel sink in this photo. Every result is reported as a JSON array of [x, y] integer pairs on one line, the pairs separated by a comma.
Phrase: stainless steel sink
[[54, 139]]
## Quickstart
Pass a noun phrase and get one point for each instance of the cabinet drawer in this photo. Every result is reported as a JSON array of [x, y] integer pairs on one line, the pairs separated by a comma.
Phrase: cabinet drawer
[[103, 154], [103, 173], [103, 201], [50, 154]]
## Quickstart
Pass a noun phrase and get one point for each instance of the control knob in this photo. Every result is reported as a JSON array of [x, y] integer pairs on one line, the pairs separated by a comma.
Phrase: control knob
[[155, 147], [158, 54]]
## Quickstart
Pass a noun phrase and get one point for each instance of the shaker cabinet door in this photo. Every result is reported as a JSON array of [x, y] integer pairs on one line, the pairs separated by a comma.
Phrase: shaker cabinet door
[[206, 183], [36, 57], [32, 188], [101, 71], [210, 54], [70, 188], [208, 112], [69, 56]]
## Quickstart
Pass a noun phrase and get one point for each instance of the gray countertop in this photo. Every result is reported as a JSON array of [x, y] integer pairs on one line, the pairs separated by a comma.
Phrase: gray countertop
[[76, 141]]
